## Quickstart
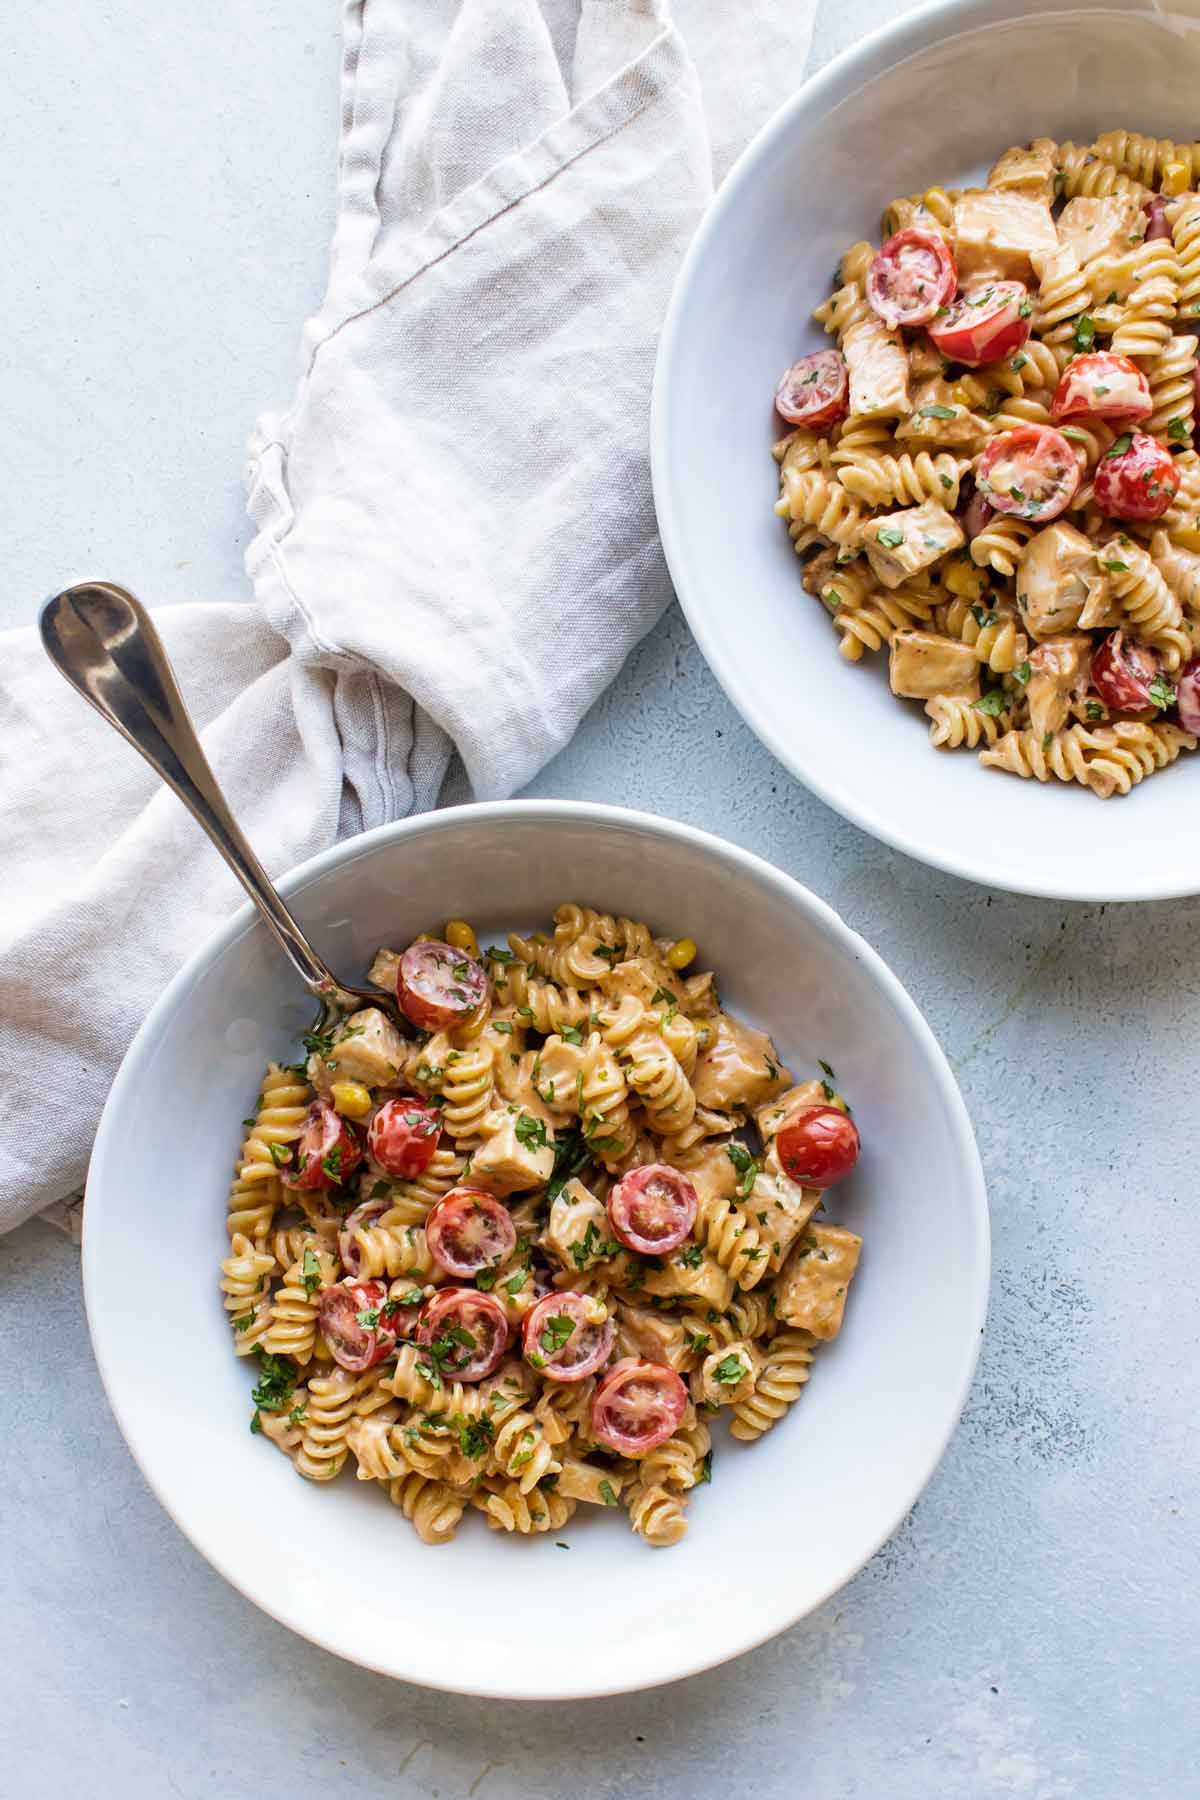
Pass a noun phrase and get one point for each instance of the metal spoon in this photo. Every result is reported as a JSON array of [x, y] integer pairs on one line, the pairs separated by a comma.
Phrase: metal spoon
[[103, 641]]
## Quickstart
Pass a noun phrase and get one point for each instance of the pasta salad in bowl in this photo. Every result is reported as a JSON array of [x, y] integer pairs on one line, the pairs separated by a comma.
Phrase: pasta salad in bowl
[[963, 313], [549, 1248], [520, 1260]]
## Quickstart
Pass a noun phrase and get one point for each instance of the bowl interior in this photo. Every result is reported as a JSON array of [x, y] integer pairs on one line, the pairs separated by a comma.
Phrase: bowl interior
[[934, 101], [784, 1523]]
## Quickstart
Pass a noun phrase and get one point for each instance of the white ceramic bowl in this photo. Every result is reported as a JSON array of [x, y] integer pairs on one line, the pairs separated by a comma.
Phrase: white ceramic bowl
[[933, 98], [784, 1523]]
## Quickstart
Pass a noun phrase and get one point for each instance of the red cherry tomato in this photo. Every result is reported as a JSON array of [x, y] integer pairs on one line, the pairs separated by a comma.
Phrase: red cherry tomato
[[353, 1324], [467, 1331], [326, 1152], [1102, 386], [652, 1209], [1030, 472], [1136, 479], [468, 1230], [1187, 696], [1123, 673], [911, 277], [988, 321], [1155, 209], [637, 1405], [818, 1146], [815, 391], [437, 986], [559, 1340], [403, 1137]]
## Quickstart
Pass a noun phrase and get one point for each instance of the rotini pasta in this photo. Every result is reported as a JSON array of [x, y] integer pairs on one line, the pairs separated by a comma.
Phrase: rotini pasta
[[990, 471], [544, 1300]]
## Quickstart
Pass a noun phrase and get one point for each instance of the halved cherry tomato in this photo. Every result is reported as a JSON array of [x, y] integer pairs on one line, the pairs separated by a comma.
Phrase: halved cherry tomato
[[815, 391], [403, 1137], [1030, 472], [560, 1339], [986, 322], [652, 1209], [637, 1406], [468, 1230], [437, 986], [467, 1332], [1123, 673], [327, 1150], [352, 1322], [911, 276], [1102, 386], [819, 1146], [1136, 479], [1187, 696]]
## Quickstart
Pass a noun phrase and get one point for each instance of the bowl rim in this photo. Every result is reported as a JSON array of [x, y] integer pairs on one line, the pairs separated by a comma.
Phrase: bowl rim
[[103, 1179], [851, 68]]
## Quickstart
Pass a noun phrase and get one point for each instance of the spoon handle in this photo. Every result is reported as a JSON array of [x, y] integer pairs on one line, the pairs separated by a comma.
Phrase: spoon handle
[[103, 641]]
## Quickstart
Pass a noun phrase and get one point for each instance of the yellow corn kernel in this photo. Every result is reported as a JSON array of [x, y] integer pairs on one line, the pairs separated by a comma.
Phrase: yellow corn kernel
[[960, 396], [965, 580], [351, 1099], [1174, 178], [459, 936], [681, 954], [1187, 535]]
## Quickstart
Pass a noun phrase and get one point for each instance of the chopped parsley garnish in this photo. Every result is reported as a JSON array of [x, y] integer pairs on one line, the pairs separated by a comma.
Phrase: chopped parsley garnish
[[280, 1154], [1162, 693], [706, 1467], [1120, 445], [935, 412], [889, 537], [608, 1493], [1022, 673], [571, 1034], [1094, 710], [273, 1390], [475, 1437], [531, 1132], [1115, 567], [992, 704], [1084, 334], [332, 1164], [746, 1166], [1176, 428], [311, 1273], [556, 1332], [729, 1371], [503, 1026], [692, 1257]]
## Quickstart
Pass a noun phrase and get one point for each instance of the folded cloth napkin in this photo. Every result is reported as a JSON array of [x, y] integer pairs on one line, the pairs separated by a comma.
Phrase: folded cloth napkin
[[455, 542]]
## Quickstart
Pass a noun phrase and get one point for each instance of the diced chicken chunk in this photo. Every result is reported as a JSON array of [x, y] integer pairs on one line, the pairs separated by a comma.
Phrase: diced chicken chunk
[[924, 664], [641, 1331], [727, 1376], [1059, 669], [1027, 171], [513, 1157], [779, 1208], [384, 969], [641, 976], [997, 233], [878, 365], [739, 1068], [810, 1293], [924, 358], [1055, 573], [684, 1274], [770, 1117], [557, 1069], [899, 544], [366, 1047], [577, 1233], [712, 1171], [1097, 227], [589, 1482], [938, 418]]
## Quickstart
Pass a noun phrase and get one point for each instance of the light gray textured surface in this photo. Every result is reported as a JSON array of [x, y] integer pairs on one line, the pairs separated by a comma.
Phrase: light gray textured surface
[[1031, 1630]]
